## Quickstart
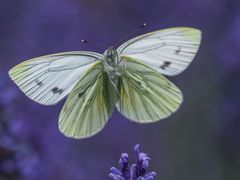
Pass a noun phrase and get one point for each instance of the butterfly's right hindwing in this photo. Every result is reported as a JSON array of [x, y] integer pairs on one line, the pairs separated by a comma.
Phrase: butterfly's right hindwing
[[89, 105], [145, 95]]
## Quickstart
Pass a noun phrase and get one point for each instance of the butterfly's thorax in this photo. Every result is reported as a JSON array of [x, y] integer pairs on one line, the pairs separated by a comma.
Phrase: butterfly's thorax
[[111, 62]]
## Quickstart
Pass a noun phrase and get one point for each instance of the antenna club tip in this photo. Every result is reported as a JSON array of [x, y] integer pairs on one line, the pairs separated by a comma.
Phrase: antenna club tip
[[143, 25], [83, 41]]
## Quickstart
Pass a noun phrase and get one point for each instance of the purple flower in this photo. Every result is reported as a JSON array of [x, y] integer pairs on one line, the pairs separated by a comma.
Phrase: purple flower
[[135, 171]]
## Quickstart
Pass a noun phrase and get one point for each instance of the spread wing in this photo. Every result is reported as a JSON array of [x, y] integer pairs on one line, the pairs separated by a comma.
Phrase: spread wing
[[89, 105], [169, 51], [146, 95], [48, 79]]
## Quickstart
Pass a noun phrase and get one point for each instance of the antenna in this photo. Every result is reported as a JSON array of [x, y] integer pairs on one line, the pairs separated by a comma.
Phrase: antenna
[[92, 43], [132, 33], [120, 41]]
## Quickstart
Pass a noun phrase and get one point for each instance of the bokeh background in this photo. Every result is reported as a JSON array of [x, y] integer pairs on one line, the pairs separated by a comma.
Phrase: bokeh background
[[201, 141]]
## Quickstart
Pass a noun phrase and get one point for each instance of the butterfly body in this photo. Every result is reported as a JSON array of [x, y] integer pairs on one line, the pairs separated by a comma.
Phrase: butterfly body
[[130, 78], [111, 63]]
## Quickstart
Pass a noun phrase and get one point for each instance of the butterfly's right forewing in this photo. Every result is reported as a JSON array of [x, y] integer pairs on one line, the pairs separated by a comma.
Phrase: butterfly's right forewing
[[169, 51]]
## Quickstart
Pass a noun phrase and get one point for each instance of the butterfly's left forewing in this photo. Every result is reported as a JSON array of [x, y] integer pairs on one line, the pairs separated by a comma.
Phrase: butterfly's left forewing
[[145, 95], [89, 105], [48, 79]]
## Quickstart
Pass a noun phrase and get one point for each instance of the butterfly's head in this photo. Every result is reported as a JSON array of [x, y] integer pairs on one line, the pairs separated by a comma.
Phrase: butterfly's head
[[109, 52], [110, 56]]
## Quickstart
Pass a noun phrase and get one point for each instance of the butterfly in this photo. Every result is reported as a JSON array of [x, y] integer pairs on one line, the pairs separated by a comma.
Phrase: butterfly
[[130, 78]]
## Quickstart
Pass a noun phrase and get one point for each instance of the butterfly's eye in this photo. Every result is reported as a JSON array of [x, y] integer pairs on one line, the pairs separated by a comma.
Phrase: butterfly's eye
[[109, 54]]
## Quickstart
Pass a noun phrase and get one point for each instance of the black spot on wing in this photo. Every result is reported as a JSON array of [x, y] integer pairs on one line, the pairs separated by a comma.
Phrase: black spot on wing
[[165, 64], [80, 94], [178, 50], [57, 90], [39, 83]]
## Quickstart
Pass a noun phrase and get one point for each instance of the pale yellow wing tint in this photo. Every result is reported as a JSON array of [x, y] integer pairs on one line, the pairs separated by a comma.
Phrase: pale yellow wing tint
[[48, 79], [145, 95], [169, 51], [89, 105]]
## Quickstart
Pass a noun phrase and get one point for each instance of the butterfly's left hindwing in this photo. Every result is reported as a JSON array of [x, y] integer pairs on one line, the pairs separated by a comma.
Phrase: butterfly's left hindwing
[[89, 105], [145, 95]]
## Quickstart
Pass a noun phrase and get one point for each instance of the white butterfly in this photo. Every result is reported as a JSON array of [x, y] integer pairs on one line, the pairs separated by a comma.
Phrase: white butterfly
[[128, 77]]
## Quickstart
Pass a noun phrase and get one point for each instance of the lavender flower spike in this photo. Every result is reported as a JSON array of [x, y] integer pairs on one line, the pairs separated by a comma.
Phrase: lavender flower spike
[[135, 171]]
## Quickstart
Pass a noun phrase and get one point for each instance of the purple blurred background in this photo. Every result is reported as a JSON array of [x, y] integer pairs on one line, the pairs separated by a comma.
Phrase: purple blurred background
[[201, 141]]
